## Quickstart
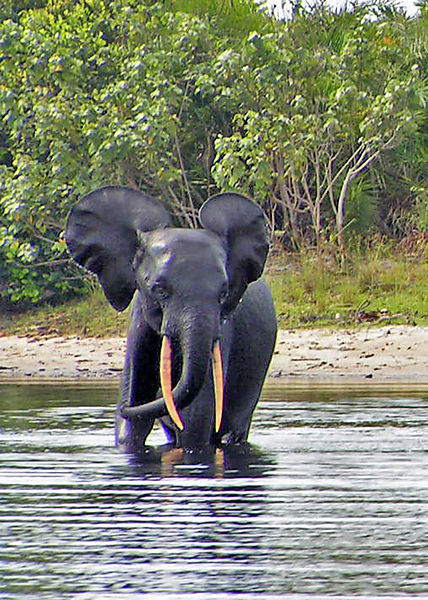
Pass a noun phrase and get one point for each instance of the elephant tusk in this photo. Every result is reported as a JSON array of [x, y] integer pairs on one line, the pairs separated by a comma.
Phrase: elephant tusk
[[165, 377], [218, 384]]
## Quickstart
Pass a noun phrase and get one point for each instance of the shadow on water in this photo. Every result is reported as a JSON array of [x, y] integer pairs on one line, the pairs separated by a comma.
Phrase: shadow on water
[[329, 499]]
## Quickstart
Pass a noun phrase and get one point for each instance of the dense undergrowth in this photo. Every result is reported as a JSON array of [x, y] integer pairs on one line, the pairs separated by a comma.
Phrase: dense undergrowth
[[377, 287], [320, 117]]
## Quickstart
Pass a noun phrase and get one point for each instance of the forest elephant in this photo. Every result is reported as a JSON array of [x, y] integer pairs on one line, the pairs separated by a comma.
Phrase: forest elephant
[[202, 323]]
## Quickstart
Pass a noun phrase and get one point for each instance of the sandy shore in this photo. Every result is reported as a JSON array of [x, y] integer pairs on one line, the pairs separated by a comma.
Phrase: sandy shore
[[397, 353]]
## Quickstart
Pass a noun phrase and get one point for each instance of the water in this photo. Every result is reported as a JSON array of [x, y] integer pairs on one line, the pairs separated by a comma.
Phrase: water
[[330, 500]]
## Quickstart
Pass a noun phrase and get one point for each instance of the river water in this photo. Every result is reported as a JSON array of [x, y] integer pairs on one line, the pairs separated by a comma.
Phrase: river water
[[330, 500]]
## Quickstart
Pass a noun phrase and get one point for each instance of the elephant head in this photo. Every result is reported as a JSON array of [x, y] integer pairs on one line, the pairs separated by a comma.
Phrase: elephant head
[[190, 281]]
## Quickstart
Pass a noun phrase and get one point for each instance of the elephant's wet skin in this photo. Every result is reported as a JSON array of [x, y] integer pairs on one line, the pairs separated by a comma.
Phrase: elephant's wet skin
[[200, 313]]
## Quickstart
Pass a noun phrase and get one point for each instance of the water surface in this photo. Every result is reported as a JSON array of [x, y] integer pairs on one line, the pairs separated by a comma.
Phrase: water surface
[[331, 499]]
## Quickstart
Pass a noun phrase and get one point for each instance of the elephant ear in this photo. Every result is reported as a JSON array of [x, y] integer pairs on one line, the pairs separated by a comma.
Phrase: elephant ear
[[242, 225], [102, 236]]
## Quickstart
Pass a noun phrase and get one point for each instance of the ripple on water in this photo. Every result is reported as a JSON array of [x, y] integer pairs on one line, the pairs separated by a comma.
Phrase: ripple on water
[[330, 500]]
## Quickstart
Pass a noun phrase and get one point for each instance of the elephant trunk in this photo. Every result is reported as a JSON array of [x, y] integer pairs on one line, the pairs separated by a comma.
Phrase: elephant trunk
[[198, 339]]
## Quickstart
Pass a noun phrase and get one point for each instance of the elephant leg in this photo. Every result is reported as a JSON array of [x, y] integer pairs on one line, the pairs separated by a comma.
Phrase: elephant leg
[[140, 378], [251, 351]]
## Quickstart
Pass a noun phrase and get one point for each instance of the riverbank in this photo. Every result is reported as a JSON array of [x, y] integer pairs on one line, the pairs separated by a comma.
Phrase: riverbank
[[386, 353]]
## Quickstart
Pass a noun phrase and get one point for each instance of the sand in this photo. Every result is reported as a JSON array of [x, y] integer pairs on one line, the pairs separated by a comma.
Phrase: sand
[[395, 353]]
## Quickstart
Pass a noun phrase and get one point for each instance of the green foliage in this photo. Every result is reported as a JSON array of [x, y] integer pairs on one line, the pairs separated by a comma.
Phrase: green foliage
[[184, 98], [89, 316], [94, 93], [232, 17], [317, 103], [362, 212], [420, 217], [12, 9], [380, 284]]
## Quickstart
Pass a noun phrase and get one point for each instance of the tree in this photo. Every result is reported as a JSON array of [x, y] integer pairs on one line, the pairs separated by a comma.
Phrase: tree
[[94, 93], [182, 99], [319, 102]]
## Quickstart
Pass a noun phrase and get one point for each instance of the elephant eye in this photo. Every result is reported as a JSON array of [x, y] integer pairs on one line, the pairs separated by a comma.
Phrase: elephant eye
[[160, 291]]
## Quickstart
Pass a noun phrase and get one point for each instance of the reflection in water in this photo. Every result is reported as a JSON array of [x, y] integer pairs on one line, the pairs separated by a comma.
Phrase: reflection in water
[[244, 460], [330, 499]]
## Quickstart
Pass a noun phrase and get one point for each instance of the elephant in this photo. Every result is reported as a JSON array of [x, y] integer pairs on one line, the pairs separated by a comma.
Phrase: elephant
[[202, 324]]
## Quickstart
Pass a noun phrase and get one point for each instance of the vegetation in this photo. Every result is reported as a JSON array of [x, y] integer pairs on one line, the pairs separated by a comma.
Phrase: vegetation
[[382, 288], [321, 118], [387, 287]]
